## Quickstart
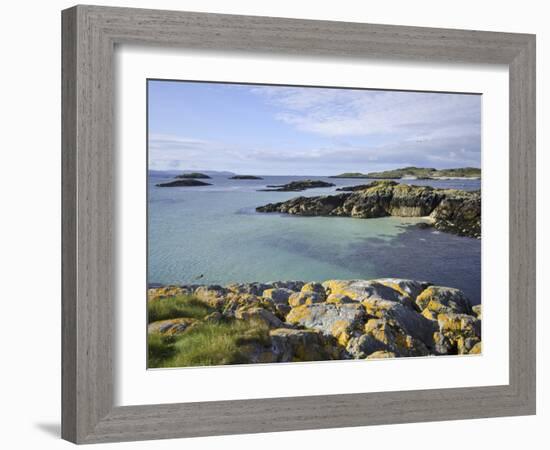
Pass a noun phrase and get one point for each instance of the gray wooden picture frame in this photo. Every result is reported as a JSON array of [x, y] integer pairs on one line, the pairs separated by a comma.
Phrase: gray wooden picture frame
[[90, 34]]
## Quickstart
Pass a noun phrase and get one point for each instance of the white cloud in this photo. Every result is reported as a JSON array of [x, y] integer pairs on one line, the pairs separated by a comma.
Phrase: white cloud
[[338, 112]]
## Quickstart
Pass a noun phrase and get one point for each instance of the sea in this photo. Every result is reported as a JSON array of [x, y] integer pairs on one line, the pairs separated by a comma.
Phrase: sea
[[213, 235]]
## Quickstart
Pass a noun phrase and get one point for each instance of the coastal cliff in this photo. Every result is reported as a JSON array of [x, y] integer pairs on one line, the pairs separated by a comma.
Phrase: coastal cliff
[[450, 210], [288, 321]]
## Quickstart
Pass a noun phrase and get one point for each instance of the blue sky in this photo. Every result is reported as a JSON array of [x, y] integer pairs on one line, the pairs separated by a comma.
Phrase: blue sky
[[280, 130]]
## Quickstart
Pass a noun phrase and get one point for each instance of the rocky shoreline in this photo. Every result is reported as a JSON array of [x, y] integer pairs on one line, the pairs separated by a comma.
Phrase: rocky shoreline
[[335, 319], [449, 210]]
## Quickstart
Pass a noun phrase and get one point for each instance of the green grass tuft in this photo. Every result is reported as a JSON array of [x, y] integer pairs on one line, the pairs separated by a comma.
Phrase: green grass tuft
[[209, 343], [176, 307]]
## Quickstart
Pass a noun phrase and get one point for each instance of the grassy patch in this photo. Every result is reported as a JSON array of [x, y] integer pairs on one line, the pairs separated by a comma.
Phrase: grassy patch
[[209, 343], [176, 307], [159, 349]]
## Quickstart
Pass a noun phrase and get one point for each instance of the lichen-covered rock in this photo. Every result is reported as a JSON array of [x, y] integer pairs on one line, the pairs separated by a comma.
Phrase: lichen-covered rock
[[383, 334], [167, 291], [442, 345], [381, 354], [234, 301], [476, 349], [170, 327], [364, 345], [441, 299], [303, 345], [305, 298], [213, 294], [249, 288], [293, 285], [316, 288], [340, 321], [261, 315], [459, 332], [281, 310], [411, 288], [339, 299], [477, 311], [278, 295], [362, 289], [405, 317], [336, 319], [466, 345]]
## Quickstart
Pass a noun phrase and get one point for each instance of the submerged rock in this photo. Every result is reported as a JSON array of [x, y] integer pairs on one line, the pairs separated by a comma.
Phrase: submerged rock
[[451, 210]]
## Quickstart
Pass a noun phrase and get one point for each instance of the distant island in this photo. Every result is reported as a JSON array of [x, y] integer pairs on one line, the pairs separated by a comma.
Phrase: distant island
[[350, 175], [296, 186], [245, 177], [193, 175], [183, 183], [419, 173]]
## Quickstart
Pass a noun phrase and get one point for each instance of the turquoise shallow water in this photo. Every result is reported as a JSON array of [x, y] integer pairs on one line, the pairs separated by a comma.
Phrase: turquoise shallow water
[[214, 233]]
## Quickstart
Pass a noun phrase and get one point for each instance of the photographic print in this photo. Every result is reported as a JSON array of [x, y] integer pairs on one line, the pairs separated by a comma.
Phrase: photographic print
[[296, 223]]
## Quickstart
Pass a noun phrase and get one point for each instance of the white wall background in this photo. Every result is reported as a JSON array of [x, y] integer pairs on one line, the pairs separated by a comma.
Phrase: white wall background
[[30, 220]]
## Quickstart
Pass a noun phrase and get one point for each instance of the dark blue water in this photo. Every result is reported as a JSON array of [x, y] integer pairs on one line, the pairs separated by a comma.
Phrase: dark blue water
[[214, 233]]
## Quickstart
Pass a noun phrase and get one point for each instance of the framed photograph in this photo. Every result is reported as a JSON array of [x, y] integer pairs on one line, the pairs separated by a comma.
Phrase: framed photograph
[[267, 222]]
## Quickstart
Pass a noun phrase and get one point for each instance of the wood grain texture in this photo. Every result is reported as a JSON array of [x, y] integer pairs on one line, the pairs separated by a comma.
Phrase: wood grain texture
[[89, 36]]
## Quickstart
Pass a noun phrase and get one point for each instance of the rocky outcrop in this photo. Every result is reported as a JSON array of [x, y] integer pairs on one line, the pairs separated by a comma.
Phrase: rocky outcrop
[[296, 186], [170, 327], [183, 182], [193, 175], [245, 177], [449, 210], [337, 319]]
